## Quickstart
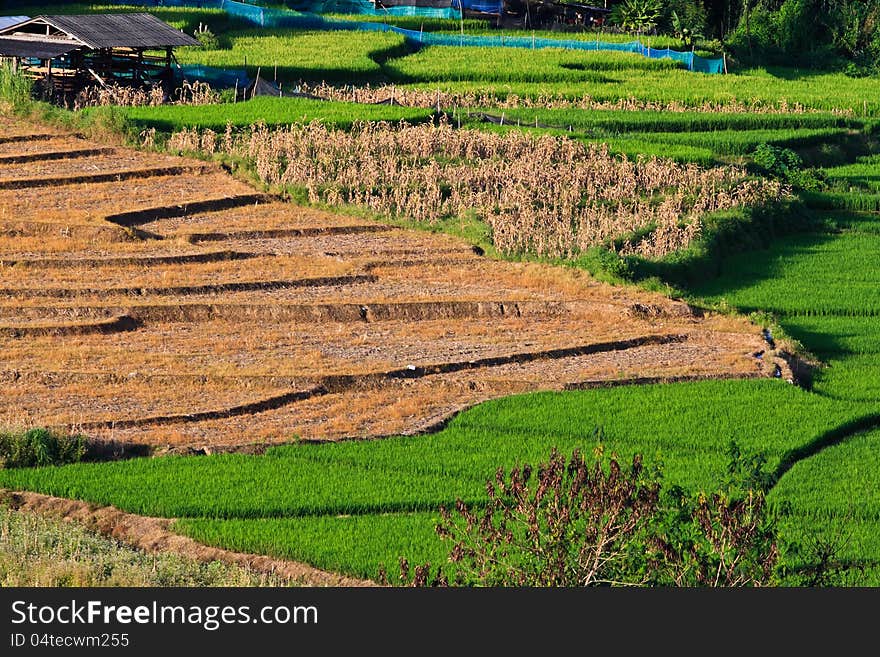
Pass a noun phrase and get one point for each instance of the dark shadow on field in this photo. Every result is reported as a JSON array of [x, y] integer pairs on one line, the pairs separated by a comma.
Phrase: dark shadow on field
[[823, 344], [291, 73], [740, 249], [748, 267], [828, 439], [793, 74], [218, 23]]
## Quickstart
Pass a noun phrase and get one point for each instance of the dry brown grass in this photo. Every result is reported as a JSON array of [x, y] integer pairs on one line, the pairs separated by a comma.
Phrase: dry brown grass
[[469, 99], [56, 144], [195, 93]]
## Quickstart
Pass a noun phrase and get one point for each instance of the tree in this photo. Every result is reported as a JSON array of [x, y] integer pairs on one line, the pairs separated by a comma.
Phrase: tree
[[687, 32], [637, 15]]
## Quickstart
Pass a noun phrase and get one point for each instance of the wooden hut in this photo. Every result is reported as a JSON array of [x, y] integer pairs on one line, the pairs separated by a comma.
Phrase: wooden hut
[[70, 52]]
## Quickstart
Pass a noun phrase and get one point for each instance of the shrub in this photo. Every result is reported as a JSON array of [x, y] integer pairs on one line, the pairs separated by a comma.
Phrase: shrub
[[777, 162], [39, 447], [784, 164], [574, 522], [637, 15], [207, 38]]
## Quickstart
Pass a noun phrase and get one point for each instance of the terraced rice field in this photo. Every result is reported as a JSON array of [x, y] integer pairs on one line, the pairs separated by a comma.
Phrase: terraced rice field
[[155, 300]]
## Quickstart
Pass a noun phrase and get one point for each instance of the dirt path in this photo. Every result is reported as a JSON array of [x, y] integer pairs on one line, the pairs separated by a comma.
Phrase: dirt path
[[154, 536], [153, 300]]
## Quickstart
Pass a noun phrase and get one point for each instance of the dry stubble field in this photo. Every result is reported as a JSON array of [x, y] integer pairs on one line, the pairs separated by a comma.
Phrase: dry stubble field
[[154, 300]]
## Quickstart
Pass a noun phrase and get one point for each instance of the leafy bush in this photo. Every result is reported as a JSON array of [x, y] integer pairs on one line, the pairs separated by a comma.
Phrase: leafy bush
[[785, 164], [574, 522], [776, 161], [39, 447], [207, 38]]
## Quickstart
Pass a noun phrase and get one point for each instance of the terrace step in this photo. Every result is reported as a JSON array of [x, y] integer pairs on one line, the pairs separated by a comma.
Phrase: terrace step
[[16, 139], [54, 155], [345, 382], [214, 288], [105, 232], [348, 312], [189, 258], [138, 217], [474, 250], [280, 233], [653, 380], [60, 181], [120, 324], [387, 264]]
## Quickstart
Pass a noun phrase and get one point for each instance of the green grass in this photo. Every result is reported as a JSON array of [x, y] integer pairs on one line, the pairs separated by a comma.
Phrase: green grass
[[359, 545], [473, 64], [416, 23], [271, 111], [812, 274], [677, 140], [835, 496], [672, 125], [841, 481], [301, 55]]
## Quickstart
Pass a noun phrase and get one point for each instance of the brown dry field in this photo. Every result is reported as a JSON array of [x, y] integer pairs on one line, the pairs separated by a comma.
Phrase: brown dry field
[[191, 311]]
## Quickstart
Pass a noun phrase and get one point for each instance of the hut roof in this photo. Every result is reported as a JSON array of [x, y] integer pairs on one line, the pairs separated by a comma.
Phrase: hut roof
[[10, 47], [6, 21], [137, 30]]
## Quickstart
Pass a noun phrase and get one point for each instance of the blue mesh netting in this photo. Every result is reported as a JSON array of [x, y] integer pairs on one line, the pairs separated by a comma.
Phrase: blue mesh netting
[[219, 78], [485, 6], [312, 20]]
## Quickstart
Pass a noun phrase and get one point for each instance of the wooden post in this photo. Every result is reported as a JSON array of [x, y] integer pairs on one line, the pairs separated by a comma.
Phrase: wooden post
[[724, 59]]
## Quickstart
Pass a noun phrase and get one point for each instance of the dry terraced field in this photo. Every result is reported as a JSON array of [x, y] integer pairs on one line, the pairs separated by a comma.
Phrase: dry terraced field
[[155, 300]]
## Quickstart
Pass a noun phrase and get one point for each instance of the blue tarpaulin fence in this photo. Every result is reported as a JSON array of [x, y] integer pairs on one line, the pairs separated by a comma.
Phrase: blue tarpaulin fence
[[267, 17]]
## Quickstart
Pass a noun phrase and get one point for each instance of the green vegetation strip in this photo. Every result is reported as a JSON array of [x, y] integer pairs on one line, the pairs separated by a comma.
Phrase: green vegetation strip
[[307, 487], [270, 111]]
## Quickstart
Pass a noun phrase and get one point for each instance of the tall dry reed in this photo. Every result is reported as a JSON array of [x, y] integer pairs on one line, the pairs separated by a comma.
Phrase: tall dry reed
[[543, 194]]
